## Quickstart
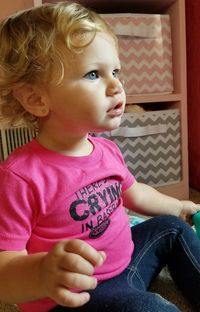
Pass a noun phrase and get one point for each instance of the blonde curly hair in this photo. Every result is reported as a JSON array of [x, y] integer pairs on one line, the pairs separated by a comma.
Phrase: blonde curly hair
[[30, 44]]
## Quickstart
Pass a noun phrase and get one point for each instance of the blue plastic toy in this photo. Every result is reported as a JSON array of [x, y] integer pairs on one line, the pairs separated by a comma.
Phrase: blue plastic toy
[[196, 220]]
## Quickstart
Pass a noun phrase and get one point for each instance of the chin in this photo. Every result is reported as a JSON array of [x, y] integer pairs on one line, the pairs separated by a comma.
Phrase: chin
[[115, 125], [109, 126]]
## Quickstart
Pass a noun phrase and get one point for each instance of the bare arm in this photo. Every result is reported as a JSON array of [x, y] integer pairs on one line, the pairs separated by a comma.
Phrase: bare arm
[[70, 264], [146, 200], [20, 275]]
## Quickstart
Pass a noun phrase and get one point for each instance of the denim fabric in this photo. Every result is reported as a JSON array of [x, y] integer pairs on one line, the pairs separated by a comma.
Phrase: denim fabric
[[159, 241]]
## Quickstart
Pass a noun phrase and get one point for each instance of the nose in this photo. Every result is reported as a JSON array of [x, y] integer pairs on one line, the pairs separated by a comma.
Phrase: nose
[[114, 87]]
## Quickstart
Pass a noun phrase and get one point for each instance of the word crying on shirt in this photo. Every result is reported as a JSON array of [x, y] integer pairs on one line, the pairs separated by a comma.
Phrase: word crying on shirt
[[94, 205]]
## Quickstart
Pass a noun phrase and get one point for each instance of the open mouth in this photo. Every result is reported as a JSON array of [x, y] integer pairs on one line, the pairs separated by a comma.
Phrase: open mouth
[[116, 110]]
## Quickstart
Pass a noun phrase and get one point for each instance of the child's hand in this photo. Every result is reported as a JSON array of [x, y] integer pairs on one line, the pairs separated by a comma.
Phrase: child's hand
[[70, 264], [188, 209]]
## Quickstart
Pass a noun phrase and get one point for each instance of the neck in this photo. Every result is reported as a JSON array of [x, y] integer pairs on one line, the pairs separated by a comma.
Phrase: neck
[[66, 145]]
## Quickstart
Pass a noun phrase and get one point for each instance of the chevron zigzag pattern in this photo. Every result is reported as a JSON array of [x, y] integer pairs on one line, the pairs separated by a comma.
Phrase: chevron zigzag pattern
[[145, 51], [153, 159]]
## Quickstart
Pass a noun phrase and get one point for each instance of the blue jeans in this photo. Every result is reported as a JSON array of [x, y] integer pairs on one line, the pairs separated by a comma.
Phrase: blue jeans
[[159, 241]]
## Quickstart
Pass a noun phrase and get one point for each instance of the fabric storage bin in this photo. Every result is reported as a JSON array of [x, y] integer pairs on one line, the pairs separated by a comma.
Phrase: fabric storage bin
[[150, 144], [145, 51]]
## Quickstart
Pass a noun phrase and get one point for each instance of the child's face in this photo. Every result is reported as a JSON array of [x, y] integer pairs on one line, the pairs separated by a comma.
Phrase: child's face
[[91, 96]]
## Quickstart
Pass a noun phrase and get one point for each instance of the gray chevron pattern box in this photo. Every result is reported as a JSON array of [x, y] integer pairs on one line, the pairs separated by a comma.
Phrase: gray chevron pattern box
[[150, 143]]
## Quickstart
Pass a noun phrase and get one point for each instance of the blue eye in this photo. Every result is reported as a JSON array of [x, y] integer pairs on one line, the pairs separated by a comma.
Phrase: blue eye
[[116, 72], [93, 75]]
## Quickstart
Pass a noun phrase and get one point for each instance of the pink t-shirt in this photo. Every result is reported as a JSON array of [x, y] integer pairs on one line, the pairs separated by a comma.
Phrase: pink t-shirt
[[47, 197]]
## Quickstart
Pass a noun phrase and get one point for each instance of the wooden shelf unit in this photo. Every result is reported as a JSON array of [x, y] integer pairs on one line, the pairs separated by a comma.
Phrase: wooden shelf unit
[[178, 99]]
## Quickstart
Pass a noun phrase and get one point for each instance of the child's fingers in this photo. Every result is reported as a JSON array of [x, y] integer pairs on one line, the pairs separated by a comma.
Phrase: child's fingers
[[194, 209], [86, 251], [72, 280], [190, 207], [70, 299], [198, 207], [75, 263]]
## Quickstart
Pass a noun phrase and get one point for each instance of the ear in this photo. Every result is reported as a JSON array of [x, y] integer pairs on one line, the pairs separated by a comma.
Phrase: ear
[[32, 99]]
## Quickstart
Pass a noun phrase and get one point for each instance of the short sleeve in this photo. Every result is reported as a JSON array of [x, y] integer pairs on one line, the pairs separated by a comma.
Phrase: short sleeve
[[128, 177], [16, 206]]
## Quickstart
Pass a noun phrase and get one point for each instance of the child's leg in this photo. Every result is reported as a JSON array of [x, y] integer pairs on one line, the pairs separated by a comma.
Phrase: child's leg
[[158, 241], [166, 240], [115, 295]]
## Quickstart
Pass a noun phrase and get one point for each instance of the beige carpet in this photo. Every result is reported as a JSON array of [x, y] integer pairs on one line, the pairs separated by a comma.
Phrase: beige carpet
[[165, 286]]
